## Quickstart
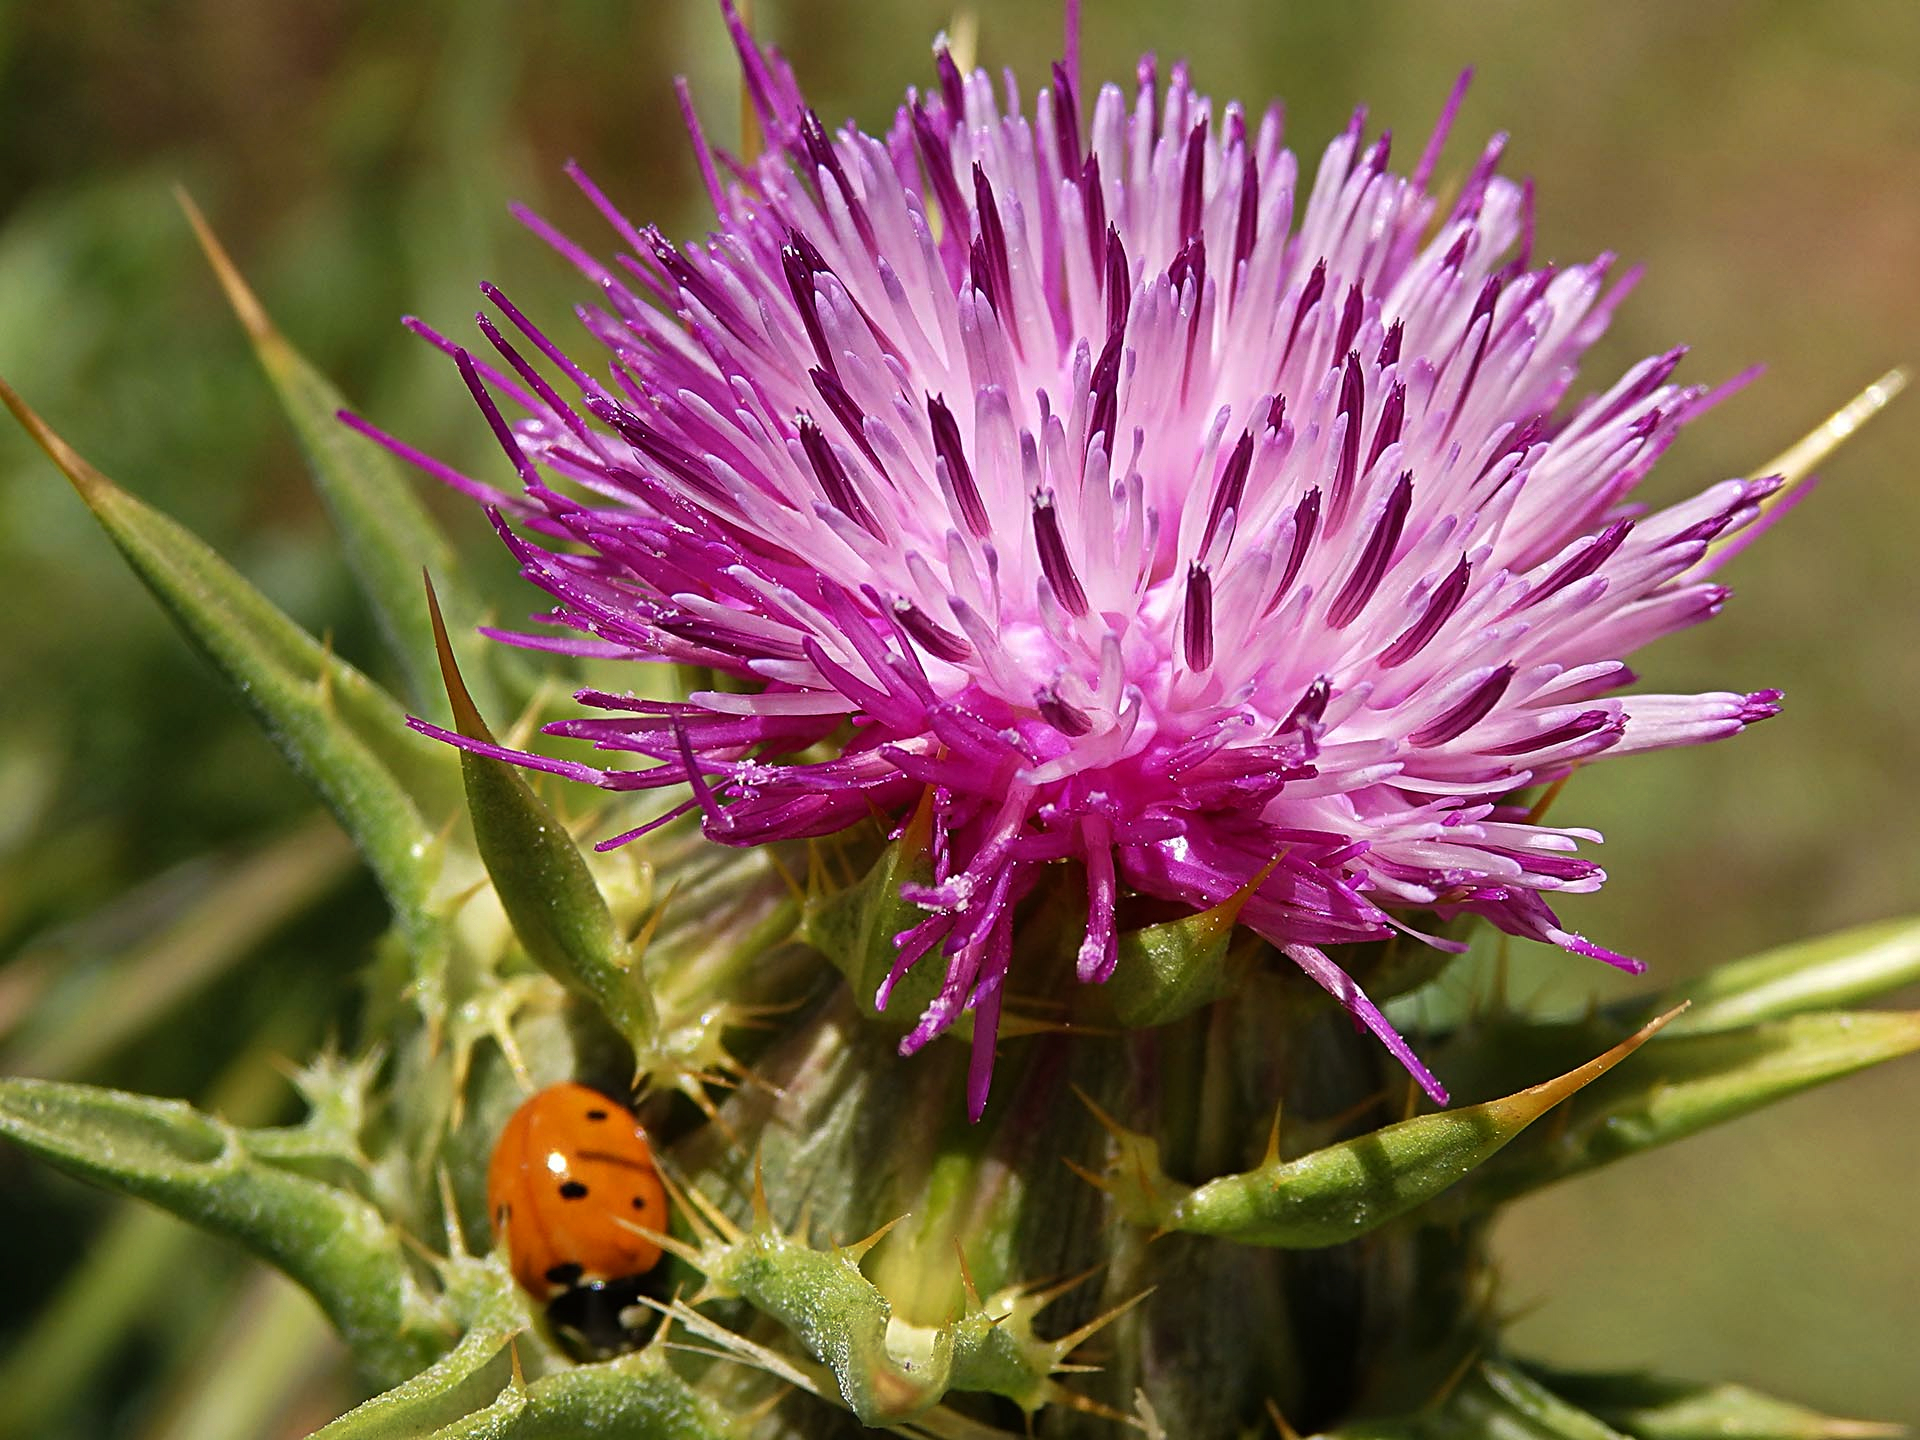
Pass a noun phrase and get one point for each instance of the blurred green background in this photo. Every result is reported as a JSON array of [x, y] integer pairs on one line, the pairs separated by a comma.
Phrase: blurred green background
[[1759, 156]]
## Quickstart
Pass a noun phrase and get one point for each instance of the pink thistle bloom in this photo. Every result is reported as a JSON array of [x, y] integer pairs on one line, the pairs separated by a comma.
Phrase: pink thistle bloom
[[1144, 504]]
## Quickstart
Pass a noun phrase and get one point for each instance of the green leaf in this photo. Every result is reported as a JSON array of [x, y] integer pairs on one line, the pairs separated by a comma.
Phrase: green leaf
[[1648, 1407], [636, 1397], [1500, 1400], [1841, 969], [1493, 1401], [386, 532], [330, 1241], [341, 731], [1688, 1082], [119, 1281], [1342, 1191], [453, 1387], [543, 883]]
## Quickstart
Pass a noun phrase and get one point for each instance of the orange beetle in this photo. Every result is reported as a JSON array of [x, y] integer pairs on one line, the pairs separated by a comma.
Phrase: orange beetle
[[572, 1177]]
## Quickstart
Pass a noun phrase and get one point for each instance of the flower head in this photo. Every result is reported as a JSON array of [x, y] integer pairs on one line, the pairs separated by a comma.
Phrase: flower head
[[1128, 499]]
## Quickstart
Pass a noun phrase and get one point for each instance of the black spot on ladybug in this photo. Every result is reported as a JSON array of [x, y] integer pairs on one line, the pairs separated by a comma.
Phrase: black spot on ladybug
[[596, 1114], [567, 1274], [639, 1202], [572, 1190]]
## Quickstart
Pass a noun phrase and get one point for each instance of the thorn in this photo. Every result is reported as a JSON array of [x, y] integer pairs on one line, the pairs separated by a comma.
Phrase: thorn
[[1552, 793], [1218, 920], [1112, 1126], [966, 1278], [755, 1016], [1539, 1098], [689, 1084], [519, 1375], [1510, 1317], [466, 715], [521, 731], [1453, 1380], [440, 837], [916, 836], [709, 1223], [450, 1215], [1013, 1025], [746, 1077], [1047, 1295], [794, 889], [1072, 1340], [677, 1248], [1073, 1400], [750, 137], [756, 1413], [963, 39], [1272, 1154], [1099, 1182], [93, 487], [857, 1251], [817, 881], [739, 1349], [656, 1237], [637, 947], [849, 877], [1287, 1432], [510, 1048], [419, 1247], [435, 1018], [762, 1214], [240, 296], [1797, 461]]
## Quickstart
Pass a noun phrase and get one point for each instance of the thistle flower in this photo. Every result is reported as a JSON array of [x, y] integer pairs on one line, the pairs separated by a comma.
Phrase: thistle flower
[[1044, 489], [1125, 498]]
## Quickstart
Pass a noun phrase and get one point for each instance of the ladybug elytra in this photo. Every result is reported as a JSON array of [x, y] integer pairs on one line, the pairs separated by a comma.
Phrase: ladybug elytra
[[571, 1185]]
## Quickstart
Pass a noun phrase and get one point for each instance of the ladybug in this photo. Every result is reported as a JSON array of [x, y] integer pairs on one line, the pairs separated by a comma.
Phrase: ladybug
[[571, 1185]]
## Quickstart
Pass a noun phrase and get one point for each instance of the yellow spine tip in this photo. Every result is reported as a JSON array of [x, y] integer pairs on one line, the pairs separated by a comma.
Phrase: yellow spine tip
[[92, 486], [246, 305]]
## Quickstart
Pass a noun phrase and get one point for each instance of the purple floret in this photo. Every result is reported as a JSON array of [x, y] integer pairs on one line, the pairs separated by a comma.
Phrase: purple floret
[[1127, 497]]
